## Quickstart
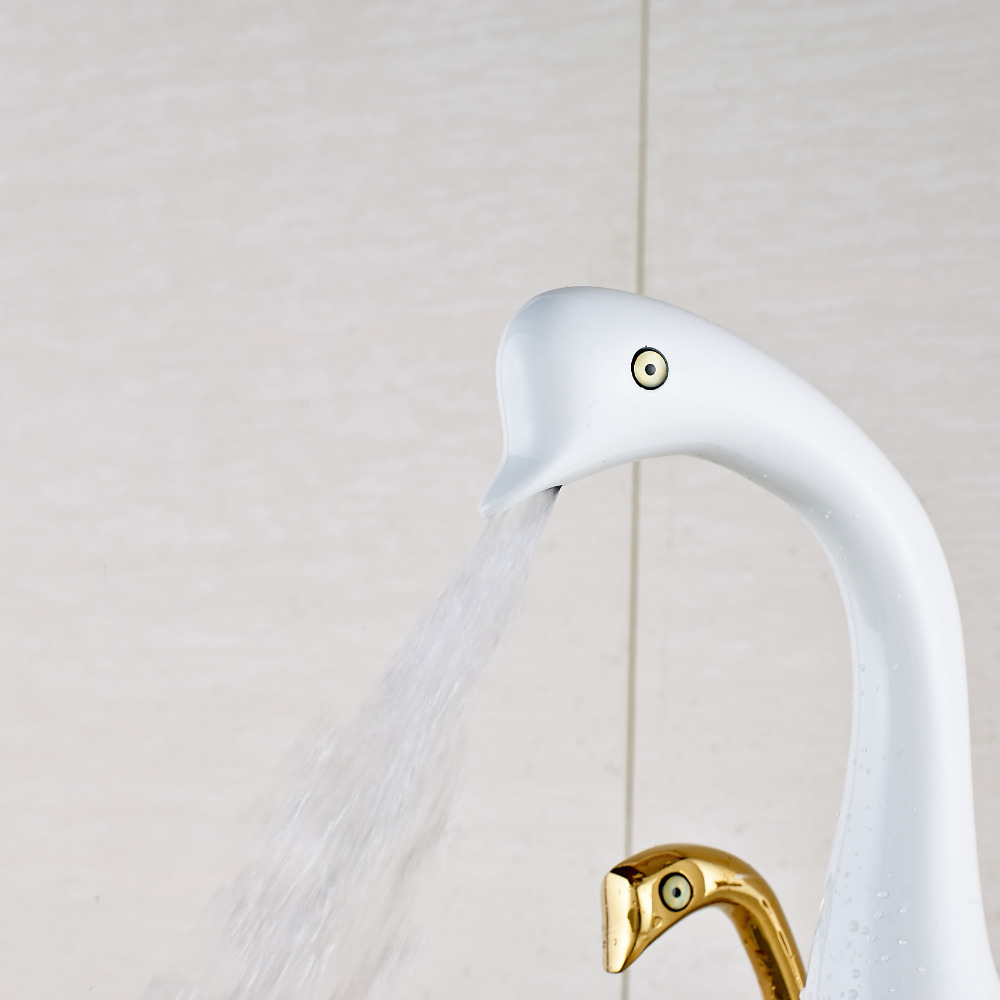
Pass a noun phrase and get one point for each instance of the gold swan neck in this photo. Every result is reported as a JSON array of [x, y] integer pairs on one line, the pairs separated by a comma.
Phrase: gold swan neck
[[771, 950], [648, 893]]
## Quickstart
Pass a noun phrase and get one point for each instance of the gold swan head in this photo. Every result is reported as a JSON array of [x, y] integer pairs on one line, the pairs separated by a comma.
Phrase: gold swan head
[[651, 891]]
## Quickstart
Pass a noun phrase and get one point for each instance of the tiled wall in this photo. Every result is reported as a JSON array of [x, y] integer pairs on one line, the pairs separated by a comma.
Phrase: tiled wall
[[254, 264]]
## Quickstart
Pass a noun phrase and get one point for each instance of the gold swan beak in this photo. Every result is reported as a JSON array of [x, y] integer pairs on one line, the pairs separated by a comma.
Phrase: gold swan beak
[[651, 891]]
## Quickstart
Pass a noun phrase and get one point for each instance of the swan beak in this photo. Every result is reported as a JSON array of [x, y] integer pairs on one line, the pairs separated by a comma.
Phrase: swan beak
[[517, 479], [621, 922]]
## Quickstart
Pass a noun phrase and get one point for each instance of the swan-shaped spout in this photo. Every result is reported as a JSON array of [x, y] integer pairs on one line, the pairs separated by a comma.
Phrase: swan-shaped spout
[[651, 891], [581, 390]]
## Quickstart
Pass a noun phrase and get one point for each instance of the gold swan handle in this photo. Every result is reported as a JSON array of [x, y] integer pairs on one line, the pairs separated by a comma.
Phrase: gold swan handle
[[651, 891]]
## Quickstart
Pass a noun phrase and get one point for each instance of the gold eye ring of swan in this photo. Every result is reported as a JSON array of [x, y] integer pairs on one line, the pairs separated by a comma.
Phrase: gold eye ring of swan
[[651, 891]]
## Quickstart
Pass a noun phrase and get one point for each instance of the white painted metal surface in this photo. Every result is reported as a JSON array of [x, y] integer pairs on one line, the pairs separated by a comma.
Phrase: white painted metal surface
[[902, 913]]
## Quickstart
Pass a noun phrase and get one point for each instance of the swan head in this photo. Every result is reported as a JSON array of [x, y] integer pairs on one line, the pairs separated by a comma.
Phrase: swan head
[[645, 896], [590, 378], [648, 893]]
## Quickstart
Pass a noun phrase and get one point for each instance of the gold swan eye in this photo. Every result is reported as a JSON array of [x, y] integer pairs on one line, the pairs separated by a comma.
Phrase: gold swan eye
[[649, 368], [676, 892]]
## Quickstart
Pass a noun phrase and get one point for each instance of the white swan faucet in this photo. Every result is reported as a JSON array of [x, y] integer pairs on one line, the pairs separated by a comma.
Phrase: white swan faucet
[[590, 378]]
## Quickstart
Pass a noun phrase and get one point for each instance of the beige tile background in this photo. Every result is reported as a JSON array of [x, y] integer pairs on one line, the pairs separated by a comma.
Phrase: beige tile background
[[255, 262]]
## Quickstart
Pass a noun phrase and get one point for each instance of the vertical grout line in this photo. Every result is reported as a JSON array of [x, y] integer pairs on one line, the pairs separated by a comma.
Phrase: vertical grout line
[[633, 583], [633, 636], [633, 574], [633, 621], [640, 206]]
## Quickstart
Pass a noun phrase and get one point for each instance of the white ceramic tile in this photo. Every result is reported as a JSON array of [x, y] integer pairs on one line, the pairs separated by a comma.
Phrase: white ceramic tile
[[254, 266], [823, 181]]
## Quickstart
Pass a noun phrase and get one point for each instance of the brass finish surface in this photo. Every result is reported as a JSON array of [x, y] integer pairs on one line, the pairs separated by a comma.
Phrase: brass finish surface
[[689, 877]]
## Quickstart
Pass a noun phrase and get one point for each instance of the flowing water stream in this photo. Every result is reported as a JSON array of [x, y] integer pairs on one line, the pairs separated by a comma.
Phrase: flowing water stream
[[320, 913]]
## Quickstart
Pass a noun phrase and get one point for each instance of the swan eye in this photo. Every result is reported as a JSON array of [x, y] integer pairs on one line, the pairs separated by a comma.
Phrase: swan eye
[[676, 892], [649, 368]]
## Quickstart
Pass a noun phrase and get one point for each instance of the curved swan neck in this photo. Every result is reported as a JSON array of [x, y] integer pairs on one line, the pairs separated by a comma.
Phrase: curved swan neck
[[902, 913]]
